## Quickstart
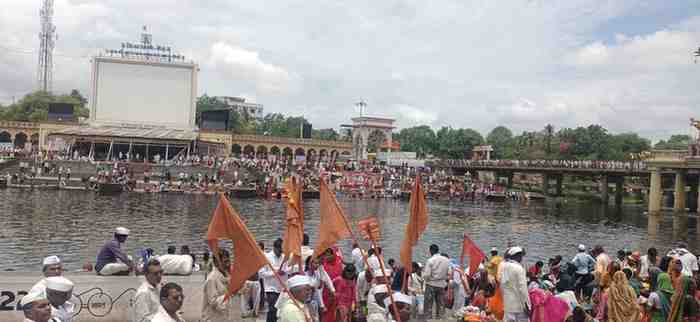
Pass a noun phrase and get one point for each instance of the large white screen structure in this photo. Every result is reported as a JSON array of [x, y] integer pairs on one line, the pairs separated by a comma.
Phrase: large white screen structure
[[143, 93]]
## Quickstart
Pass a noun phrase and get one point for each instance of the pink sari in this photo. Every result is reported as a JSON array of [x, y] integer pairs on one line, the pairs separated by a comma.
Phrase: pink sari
[[546, 307], [334, 269]]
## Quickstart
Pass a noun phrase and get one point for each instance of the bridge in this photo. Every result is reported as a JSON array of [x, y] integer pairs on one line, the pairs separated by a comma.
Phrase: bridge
[[681, 168]]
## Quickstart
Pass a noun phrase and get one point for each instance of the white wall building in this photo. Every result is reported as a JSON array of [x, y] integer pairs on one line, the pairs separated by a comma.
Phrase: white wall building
[[239, 105]]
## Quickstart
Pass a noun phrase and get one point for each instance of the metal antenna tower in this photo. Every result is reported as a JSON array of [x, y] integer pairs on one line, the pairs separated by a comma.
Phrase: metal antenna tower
[[47, 41]]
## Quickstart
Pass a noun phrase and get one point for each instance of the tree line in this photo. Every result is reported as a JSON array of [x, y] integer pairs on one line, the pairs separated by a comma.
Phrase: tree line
[[592, 142]]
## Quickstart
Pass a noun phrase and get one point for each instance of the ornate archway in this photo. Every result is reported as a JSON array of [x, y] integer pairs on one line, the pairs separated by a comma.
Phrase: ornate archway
[[299, 152], [20, 140], [287, 151], [375, 140], [261, 153], [5, 137], [236, 149], [249, 150], [274, 150]]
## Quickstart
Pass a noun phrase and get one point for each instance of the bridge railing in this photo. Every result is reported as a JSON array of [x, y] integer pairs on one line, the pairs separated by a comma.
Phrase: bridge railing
[[669, 155], [565, 164]]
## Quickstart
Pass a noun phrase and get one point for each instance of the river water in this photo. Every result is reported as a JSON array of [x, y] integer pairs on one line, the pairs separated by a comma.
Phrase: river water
[[74, 225]]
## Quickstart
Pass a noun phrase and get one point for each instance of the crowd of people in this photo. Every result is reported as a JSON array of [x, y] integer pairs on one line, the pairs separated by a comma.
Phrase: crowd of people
[[568, 164], [592, 286]]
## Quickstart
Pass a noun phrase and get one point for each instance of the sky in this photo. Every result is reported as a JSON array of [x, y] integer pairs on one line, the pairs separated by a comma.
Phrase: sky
[[624, 64]]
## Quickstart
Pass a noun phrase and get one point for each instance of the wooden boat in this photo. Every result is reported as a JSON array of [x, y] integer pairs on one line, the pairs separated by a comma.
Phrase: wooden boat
[[496, 196], [109, 188], [311, 194], [535, 196], [243, 193]]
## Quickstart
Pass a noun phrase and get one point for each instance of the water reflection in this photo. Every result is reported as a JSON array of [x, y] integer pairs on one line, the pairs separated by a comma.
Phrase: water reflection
[[34, 224]]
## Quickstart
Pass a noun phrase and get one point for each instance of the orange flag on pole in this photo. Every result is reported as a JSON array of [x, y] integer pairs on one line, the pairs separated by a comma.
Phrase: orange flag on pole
[[248, 258], [294, 231], [334, 225], [476, 256], [417, 223]]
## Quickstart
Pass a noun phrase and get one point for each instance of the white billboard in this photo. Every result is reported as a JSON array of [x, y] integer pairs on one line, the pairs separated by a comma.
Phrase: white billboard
[[135, 92]]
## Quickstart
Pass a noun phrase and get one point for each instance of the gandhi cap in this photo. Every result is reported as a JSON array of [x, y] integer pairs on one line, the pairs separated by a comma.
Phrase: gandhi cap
[[51, 260], [121, 231], [59, 283], [33, 297], [298, 280]]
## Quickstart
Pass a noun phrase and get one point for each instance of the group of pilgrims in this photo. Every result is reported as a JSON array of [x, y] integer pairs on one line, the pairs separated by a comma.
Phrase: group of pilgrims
[[591, 287]]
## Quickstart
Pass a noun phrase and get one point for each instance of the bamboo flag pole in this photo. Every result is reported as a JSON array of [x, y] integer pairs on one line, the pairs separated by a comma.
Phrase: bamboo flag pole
[[286, 290]]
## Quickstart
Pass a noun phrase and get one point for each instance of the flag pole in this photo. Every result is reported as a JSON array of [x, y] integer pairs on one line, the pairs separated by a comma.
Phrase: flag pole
[[347, 225], [286, 290], [388, 285]]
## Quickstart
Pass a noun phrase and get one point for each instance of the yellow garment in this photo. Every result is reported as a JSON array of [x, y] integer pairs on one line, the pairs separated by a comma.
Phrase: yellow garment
[[622, 301], [493, 265]]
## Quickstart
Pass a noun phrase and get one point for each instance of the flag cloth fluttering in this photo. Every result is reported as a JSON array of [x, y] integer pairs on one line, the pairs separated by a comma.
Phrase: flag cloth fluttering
[[476, 256], [294, 231], [334, 225], [417, 223], [369, 228], [248, 258]]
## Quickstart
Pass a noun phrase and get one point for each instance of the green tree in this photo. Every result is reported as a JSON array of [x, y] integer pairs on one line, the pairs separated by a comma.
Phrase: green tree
[[325, 134], [34, 106], [501, 139], [457, 143], [675, 142], [548, 134], [419, 139]]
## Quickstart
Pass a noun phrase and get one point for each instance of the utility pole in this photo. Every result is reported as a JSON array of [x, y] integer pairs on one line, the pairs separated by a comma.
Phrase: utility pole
[[47, 42]]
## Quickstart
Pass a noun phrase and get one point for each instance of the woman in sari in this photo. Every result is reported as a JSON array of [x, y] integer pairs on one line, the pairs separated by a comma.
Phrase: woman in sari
[[622, 301], [547, 307], [333, 265], [675, 268], [659, 303], [684, 308]]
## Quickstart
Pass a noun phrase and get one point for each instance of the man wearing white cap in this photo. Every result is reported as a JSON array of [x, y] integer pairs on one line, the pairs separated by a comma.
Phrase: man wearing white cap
[[294, 310], [585, 266], [513, 282], [403, 304], [36, 308], [58, 291], [52, 266], [111, 260]]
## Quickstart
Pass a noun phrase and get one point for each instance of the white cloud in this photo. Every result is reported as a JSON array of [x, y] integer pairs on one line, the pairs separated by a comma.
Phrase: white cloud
[[245, 65]]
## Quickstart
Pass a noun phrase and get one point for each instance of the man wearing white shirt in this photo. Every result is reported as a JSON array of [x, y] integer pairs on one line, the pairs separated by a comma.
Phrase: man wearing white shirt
[[436, 274], [272, 285], [516, 302], [58, 291], [374, 258], [147, 299], [171, 298], [357, 258]]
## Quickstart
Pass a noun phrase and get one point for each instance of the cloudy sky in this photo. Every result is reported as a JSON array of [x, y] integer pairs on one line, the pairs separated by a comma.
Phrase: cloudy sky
[[624, 64]]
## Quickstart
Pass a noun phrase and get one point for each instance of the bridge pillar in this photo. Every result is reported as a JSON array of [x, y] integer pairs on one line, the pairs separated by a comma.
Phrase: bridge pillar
[[655, 192], [619, 190], [545, 184], [559, 185], [604, 189], [679, 192]]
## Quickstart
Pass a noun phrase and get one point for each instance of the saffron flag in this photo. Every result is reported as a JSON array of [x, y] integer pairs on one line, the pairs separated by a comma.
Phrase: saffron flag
[[369, 228], [294, 231], [417, 223], [476, 256], [248, 258], [334, 225]]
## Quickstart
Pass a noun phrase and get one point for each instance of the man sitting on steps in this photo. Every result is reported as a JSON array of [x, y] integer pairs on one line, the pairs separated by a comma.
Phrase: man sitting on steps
[[111, 260]]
